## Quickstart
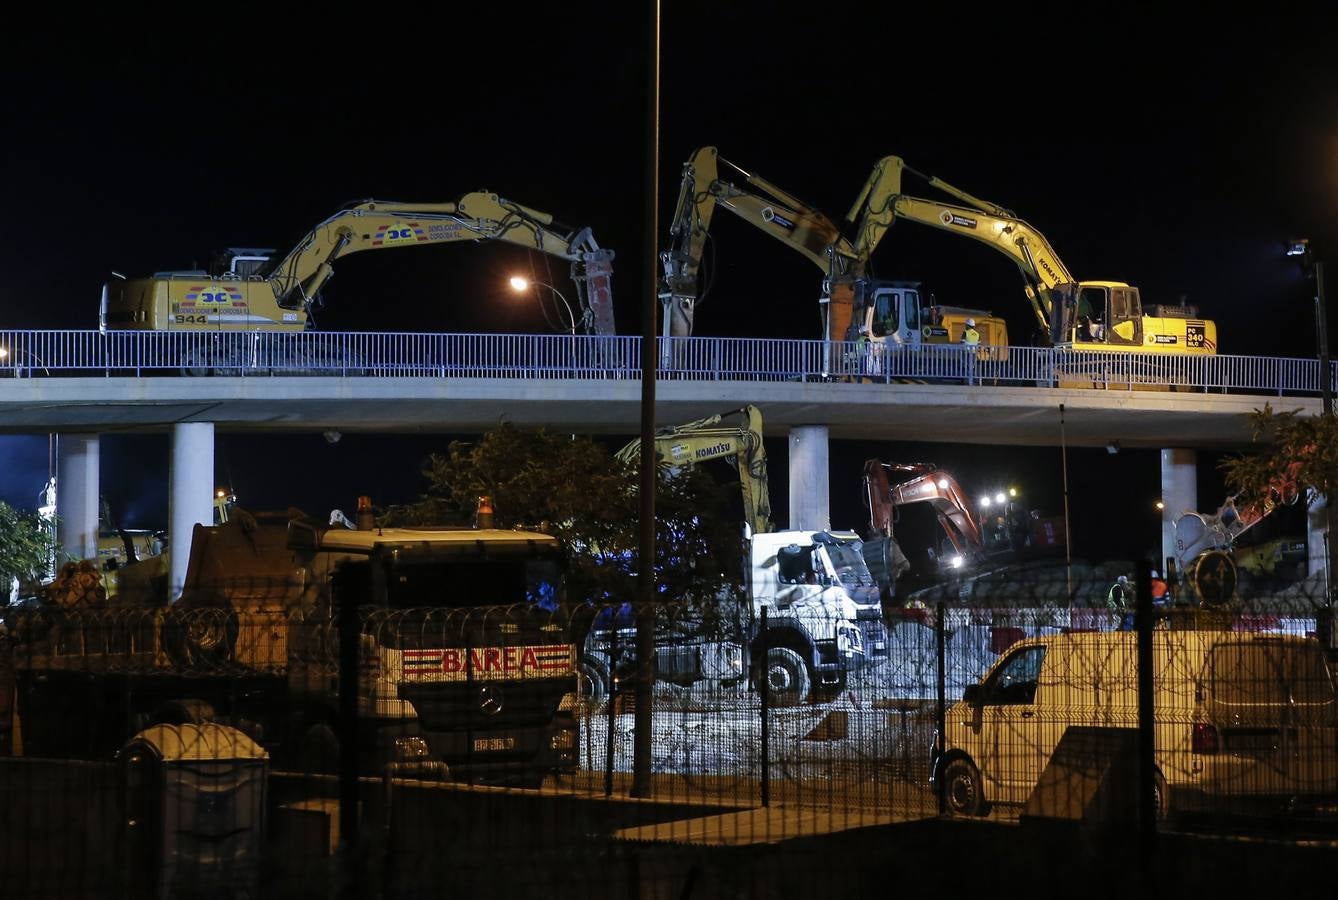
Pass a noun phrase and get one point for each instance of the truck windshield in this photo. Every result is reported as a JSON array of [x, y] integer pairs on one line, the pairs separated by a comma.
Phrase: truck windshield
[[461, 583], [849, 564]]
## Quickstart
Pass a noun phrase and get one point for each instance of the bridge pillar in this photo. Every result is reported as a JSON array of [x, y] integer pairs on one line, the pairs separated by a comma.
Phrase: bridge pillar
[[810, 490], [190, 495], [1179, 494], [1315, 524], [77, 494]]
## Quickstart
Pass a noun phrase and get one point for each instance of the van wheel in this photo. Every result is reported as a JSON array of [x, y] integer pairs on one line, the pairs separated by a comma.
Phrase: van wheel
[[1161, 798], [961, 789], [788, 682]]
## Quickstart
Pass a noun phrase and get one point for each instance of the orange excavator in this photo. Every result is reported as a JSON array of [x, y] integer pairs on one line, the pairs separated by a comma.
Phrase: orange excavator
[[1009, 531]]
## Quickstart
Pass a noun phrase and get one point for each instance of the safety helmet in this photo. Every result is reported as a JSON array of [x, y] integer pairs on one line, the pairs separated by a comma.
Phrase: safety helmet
[[1122, 579], [1156, 574], [970, 323]]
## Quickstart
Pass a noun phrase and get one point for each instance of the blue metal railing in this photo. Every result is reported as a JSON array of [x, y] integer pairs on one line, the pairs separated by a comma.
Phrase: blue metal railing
[[433, 355]]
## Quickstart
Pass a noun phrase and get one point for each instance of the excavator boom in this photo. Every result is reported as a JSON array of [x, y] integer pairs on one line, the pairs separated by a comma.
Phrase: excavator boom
[[277, 295], [881, 202], [757, 201], [709, 438]]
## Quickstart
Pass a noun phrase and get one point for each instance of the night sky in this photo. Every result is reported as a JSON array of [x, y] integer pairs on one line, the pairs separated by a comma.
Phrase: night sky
[[1175, 154]]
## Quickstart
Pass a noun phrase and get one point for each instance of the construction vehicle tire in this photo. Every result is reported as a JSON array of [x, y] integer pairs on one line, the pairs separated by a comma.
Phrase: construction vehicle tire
[[594, 683], [787, 680]]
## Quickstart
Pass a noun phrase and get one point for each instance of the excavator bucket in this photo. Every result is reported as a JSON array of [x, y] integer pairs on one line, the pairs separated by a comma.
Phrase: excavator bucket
[[599, 289]]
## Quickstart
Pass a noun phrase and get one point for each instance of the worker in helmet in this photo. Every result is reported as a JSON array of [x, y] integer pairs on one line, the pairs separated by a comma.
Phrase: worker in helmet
[[1120, 601], [970, 341], [1161, 593], [969, 334]]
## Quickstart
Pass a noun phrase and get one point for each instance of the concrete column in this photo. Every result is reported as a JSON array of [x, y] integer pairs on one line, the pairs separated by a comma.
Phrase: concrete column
[[190, 495], [1179, 493], [1315, 524], [77, 494], [810, 491]]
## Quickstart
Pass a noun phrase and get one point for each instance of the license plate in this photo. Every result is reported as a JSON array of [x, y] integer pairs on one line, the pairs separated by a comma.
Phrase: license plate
[[485, 745]]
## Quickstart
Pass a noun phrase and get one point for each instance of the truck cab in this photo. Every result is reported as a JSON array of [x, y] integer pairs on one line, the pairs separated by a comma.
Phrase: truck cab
[[898, 313], [821, 602]]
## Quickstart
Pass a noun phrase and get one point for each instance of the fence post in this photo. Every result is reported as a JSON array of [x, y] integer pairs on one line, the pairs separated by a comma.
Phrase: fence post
[[940, 646], [764, 686], [1147, 822], [346, 599], [612, 706]]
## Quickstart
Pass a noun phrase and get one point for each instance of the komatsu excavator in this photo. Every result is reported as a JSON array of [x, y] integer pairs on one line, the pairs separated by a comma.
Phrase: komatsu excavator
[[812, 588], [891, 312], [709, 438], [254, 290], [1081, 315]]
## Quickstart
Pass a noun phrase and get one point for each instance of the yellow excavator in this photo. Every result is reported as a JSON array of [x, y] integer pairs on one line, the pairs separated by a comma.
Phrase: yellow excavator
[[711, 438], [892, 312], [1079, 315], [257, 291]]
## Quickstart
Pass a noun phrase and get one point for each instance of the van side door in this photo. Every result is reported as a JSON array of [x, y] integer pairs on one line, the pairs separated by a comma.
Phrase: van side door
[[1010, 728]]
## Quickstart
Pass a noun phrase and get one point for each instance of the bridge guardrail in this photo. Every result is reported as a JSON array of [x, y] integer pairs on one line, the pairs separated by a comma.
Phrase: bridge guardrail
[[69, 353]]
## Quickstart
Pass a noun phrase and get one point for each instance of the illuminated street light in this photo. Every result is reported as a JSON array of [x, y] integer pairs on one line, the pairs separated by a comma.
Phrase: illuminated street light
[[521, 285], [999, 497], [985, 502], [1160, 505], [18, 355]]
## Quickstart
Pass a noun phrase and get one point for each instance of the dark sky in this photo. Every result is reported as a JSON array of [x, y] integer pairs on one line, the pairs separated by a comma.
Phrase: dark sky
[[1173, 153]]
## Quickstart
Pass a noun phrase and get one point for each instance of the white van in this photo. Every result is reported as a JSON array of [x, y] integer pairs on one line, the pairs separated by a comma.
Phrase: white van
[[1242, 722]]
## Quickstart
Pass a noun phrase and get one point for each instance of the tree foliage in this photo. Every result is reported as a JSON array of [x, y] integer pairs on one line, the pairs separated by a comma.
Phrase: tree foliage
[[1301, 452], [574, 488], [27, 546]]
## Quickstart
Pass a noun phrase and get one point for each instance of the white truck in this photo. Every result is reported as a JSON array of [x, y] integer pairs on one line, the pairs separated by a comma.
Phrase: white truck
[[824, 613], [823, 621]]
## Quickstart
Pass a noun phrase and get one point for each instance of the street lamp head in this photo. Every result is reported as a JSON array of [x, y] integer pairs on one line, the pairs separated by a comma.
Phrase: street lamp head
[[1298, 247], [519, 284]]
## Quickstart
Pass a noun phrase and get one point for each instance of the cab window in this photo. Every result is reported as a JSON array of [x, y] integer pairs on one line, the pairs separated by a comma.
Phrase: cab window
[[912, 310], [885, 313], [1014, 682]]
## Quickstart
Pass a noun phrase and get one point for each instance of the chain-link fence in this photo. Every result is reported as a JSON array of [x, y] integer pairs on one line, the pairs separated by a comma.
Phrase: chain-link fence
[[245, 749]]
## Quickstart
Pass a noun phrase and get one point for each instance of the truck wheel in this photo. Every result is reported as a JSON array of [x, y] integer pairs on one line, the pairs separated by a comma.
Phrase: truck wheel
[[594, 683], [787, 677], [961, 789]]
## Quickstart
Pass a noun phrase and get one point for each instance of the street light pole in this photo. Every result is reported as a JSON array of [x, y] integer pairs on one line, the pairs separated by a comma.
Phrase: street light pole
[[1326, 399], [520, 285], [1315, 268]]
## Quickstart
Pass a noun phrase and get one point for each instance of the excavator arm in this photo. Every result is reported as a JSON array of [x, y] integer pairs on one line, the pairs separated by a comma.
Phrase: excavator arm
[[926, 484], [756, 201], [375, 225], [261, 292], [709, 438], [881, 202]]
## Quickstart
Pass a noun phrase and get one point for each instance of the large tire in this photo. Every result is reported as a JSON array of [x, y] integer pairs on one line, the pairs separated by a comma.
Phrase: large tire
[[787, 679], [962, 793], [318, 751], [196, 363], [594, 683]]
